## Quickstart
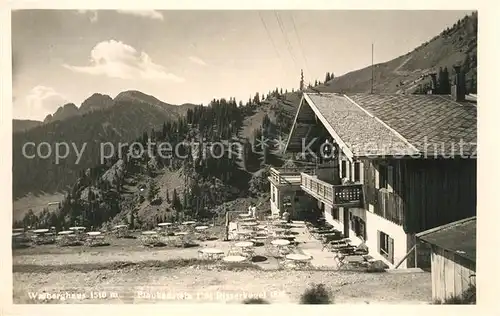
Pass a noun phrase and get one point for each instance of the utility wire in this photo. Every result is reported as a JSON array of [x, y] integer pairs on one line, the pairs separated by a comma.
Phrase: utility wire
[[289, 46], [271, 40], [301, 47]]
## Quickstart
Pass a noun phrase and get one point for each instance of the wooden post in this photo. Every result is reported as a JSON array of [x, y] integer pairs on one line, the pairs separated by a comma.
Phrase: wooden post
[[346, 222], [406, 256], [227, 225], [416, 253]]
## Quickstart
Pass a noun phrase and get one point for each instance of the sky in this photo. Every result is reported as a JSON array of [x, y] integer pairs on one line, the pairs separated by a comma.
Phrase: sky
[[62, 56]]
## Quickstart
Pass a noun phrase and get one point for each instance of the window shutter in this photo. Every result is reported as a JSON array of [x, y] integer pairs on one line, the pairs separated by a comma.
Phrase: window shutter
[[377, 177], [348, 170], [390, 179], [361, 172], [391, 250]]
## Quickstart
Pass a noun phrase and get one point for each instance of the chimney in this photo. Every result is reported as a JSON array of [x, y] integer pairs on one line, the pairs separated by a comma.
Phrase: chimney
[[458, 87], [433, 83]]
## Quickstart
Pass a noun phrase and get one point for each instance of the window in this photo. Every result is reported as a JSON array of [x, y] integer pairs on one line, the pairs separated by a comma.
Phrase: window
[[386, 246], [357, 171], [344, 169], [335, 214], [359, 227], [371, 208], [384, 177], [390, 178]]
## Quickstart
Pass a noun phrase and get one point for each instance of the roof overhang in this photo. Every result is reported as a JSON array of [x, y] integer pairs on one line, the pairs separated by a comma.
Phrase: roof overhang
[[306, 121]]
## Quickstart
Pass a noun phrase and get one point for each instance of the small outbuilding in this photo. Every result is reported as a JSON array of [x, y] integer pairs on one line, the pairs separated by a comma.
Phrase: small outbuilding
[[453, 259]]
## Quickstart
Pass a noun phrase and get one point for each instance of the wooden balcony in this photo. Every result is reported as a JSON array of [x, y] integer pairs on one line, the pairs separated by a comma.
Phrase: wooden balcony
[[283, 177], [350, 195]]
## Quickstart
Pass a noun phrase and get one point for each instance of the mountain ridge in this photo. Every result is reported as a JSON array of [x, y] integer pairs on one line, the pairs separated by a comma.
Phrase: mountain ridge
[[97, 102]]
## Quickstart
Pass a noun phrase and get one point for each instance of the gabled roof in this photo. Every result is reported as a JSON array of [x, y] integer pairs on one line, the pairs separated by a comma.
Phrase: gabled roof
[[362, 133], [432, 123], [371, 125], [458, 237]]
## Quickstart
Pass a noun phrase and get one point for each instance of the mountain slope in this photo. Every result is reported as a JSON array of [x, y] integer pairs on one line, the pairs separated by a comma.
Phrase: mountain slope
[[123, 122], [454, 46], [140, 97], [63, 112], [96, 102]]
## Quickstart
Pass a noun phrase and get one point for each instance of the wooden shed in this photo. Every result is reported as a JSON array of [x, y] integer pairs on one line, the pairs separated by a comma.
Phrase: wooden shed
[[453, 258]]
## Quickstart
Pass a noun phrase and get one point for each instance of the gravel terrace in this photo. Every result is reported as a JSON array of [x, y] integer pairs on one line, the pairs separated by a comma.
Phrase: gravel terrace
[[126, 272]]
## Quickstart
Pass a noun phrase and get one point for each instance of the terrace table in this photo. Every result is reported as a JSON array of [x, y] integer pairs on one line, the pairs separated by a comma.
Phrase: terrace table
[[188, 226], [281, 245], [77, 228], [149, 237], [41, 231], [41, 236], [211, 253], [202, 230], [121, 231], [247, 219], [280, 242], [184, 237], [259, 239], [93, 237], [249, 224], [342, 260], [299, 260], [67, 238], [234, 259], [244, 244]]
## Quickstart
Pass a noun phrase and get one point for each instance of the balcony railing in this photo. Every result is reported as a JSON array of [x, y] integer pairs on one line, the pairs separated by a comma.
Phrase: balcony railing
[[350, 195], [335, 195], [287, 176]]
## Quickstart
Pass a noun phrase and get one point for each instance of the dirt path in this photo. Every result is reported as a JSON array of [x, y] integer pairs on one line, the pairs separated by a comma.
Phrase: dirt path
[[398, 72]]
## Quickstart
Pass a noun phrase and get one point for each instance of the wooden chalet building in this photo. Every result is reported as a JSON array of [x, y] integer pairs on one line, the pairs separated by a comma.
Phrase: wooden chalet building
[[402, 164]]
